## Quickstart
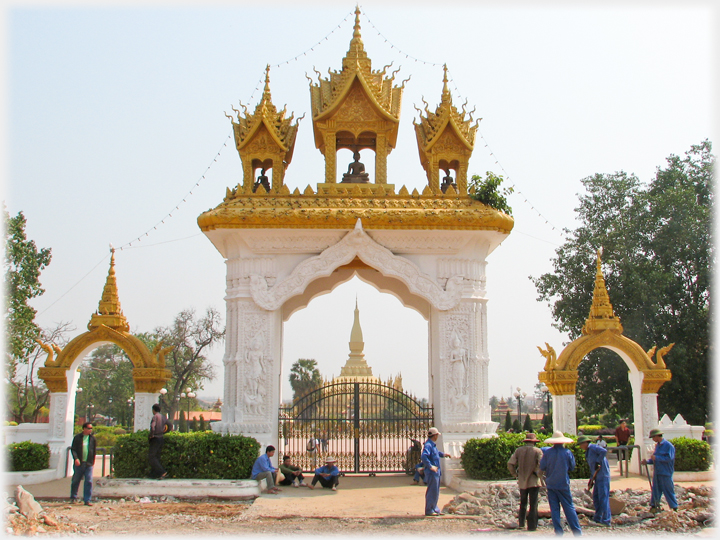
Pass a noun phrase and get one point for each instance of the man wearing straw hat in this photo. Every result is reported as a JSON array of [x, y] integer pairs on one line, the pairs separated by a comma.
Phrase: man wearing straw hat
[[663, 457], [327, 475], [557, 462], [596, 457], [431, 461], [525, 466]]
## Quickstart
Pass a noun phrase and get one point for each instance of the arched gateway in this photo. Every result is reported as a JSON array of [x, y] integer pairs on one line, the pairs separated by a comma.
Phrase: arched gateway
[[107, 325], [283, 249], [603, 329]]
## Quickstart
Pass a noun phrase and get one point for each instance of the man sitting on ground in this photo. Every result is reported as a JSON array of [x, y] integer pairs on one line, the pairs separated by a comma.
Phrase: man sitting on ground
[[327, 475], [293, 474], [263, 469]]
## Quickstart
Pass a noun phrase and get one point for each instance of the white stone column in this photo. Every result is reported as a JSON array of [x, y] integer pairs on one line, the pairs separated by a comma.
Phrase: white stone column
[[649, 419], [143, 409], [564, 409]]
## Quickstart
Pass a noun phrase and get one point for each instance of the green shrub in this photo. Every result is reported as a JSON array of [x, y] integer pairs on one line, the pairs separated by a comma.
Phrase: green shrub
[[691, 454], [591, 429], [28, 456], [486, 459], [206, 455]]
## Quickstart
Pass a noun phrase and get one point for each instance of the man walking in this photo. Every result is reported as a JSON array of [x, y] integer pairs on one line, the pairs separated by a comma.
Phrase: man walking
[[430, 458], [263, 468], [157, 440], [663, 459], [596, 457], [557, 462], [525, 466], [83, 453]]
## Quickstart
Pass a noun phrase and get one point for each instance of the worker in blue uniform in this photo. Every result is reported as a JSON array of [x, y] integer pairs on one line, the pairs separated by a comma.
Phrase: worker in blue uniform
[[430, 458], [663, 459], [556, 463], [596, 457]]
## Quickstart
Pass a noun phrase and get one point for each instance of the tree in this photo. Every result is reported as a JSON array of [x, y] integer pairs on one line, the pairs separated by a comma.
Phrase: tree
[[527, 425], [657, 258], [488, 191], [494, 402], [203, 425], [183, 427], [107, 383], [23, 263], [508, 421], [516, 426], [304, 377], [190, 338]]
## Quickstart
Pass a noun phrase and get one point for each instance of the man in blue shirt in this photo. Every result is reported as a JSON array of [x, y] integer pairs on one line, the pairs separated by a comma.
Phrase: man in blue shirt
[[430, 458], [557, 462], [596, 457], [327, 475], [263, 468], [663, 457]]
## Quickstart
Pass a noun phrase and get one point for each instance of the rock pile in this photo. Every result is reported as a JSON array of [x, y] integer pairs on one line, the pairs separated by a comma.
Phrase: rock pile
[[24, 516], [496, 505]]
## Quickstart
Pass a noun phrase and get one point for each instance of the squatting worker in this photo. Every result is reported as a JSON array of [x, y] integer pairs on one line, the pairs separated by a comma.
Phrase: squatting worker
[[83, 453], [293, 474], [430, 458], [525, 466], [596, 457], [663, 459], [263, 468], [557, 462], [327, 475], [157, 440]]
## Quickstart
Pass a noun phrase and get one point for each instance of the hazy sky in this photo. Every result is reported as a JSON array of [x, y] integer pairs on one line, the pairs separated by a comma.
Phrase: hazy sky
[[113, 115]]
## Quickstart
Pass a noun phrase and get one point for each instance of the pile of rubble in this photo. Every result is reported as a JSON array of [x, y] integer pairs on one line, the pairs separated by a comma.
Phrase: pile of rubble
[[26, 517], [496, 505]]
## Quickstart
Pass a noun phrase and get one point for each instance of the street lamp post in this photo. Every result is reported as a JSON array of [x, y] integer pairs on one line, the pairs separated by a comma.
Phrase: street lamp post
[[190, 395], [519, 395], [545, 389], [163, 391], [131, 420], [90, 408]]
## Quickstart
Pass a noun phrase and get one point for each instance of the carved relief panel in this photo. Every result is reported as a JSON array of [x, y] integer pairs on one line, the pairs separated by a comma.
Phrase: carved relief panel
[[254, 362]]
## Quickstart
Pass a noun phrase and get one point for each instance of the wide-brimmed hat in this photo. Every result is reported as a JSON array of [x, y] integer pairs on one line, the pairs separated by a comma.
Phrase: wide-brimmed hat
[[530, 437], [558, 438], [433, 431], [655, 432], [330, 459], [583, 438]]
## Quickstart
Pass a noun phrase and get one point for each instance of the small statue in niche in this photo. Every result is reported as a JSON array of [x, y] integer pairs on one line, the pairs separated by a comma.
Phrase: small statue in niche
[[263, 181], [448, 181], [356, 172]]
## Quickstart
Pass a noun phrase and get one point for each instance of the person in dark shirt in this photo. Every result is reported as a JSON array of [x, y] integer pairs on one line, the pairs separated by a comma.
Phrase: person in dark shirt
[[622, 434], [83, 453], [157, 440]]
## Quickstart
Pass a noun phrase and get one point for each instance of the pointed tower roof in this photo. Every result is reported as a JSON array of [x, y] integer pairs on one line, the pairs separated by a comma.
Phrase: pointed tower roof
[[356, 367], [602, 317], [281, 129], [432, 125], [368, 86], [109, 312]]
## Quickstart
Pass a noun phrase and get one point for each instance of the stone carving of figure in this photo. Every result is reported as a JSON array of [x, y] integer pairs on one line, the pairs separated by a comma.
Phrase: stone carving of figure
[[356, 171], [254, 363], [458, 373], [263, 181]]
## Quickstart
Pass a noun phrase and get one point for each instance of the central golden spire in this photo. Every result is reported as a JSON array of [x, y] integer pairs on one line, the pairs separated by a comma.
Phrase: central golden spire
[[602, 317], [356, 367]]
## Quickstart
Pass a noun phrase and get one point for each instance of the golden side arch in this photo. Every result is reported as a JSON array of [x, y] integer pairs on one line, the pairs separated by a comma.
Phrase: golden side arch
[[603, 330], [107, 325]]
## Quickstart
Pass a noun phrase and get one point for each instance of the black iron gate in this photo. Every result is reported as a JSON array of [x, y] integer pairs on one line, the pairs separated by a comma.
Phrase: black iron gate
[[368, 427]]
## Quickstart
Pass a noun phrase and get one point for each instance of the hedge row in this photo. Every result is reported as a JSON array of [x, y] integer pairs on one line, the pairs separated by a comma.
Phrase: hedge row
[[691, 454], [188, 455], [28, 456]]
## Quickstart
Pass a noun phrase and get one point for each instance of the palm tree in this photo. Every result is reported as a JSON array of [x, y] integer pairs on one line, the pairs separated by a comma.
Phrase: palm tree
[[304, 377]]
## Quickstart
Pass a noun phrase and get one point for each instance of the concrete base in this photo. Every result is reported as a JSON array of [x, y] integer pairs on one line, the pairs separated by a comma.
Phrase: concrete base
[[29, 478], [693, 476], [143, 487]]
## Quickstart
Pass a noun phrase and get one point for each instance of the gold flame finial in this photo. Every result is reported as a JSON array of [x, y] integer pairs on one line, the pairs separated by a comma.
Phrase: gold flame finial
[[109, 312], [356, 28], [602, 317]]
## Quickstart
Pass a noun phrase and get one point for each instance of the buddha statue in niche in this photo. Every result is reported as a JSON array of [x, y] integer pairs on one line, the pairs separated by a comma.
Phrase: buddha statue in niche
[[356, 172], [448, 181], [263, 181]]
